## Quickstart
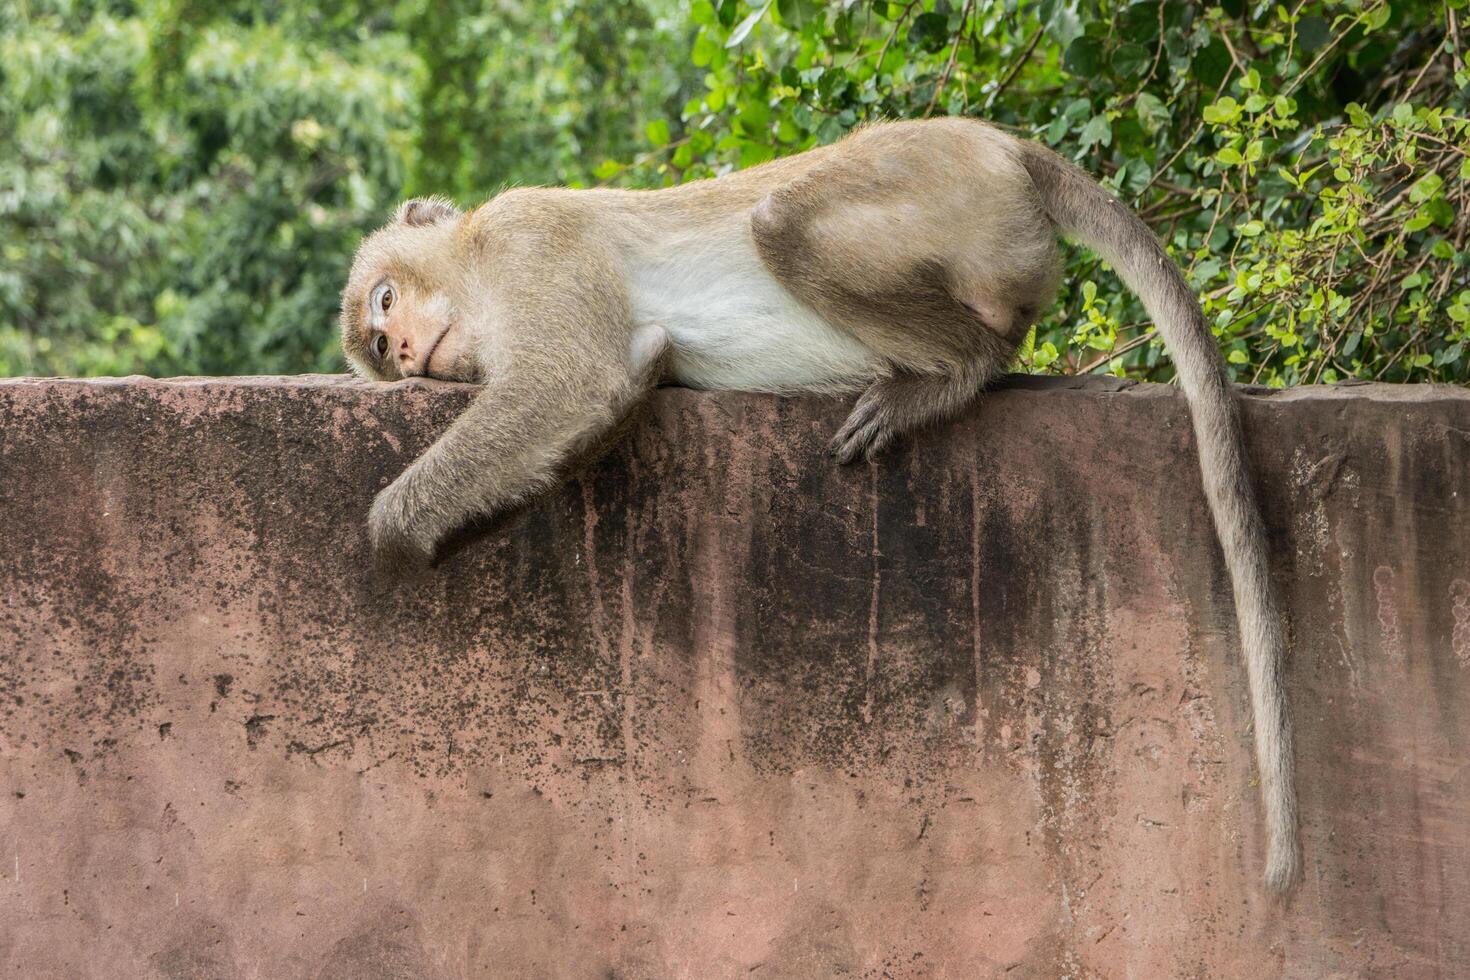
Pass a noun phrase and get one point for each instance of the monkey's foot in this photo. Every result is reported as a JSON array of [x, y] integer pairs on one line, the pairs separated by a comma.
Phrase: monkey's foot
[[898, 405], [869, 429]]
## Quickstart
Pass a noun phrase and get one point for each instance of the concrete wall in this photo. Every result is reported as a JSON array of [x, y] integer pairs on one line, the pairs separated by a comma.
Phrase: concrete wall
[[718, 708]]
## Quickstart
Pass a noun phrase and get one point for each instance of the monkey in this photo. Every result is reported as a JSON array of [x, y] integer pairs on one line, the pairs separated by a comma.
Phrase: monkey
[[905, 262]]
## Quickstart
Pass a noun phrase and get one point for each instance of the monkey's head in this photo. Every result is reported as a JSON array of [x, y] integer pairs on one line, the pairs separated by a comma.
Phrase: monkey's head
[[400, 306]]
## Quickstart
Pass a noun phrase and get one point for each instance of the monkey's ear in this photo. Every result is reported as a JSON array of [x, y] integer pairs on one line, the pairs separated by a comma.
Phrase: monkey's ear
[[426, 211]]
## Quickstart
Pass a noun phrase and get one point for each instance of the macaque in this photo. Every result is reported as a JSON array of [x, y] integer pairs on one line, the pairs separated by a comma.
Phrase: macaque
[[906, 262]]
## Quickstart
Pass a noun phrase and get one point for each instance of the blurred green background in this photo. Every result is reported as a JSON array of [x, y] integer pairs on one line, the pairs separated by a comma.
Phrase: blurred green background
[[182, 184]]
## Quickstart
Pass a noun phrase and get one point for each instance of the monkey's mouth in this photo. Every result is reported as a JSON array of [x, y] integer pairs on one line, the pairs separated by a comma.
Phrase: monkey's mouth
[[429, 358]]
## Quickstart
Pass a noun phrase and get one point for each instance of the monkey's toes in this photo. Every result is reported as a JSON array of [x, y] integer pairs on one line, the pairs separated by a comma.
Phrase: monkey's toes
[[865, 434], [863, 441]]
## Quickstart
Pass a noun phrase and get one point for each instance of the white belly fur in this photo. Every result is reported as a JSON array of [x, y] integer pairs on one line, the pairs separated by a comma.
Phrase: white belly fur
[[733, 326]]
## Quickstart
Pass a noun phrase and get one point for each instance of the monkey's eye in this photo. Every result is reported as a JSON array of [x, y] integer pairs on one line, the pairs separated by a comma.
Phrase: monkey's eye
[[380, 343], [386, 302]]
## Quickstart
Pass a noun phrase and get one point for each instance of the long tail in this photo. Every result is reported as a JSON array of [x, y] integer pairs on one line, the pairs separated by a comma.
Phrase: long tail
[[1082, 209]]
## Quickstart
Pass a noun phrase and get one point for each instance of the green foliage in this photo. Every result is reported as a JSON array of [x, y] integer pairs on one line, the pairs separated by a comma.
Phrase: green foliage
[[186, 180], [1306, 164], [537, 93]]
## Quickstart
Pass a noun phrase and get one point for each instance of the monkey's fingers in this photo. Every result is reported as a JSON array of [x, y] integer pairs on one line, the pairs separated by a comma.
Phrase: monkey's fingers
[[397, 551], [398, 558]]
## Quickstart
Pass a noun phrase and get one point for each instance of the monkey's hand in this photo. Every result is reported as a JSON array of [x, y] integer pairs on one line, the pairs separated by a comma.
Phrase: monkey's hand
[[401, 545]]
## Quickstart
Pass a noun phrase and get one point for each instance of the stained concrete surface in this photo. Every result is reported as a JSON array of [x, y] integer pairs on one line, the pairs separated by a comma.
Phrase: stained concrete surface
[[717, 707]]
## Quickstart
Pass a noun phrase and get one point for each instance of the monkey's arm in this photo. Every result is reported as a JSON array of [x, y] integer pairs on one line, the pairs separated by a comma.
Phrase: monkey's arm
[[562, 367], [506, 445]]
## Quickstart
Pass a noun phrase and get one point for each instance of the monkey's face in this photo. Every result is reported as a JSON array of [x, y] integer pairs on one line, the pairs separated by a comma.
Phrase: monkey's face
[[398, 320], [408, 332]]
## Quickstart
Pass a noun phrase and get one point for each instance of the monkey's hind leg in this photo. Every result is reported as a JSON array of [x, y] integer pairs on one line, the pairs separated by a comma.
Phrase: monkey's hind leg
[[904, 403], [926, 248]]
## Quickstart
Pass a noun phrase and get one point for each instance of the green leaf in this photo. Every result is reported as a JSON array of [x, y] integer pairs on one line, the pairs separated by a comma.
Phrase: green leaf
[[797, 13], [1222, 111], [753, 116], [832, 84], [930, 31], [1097, 130], [1375, 19], [1440, 212], [1057, 129], [1153, 114], [753, 154], [1131, 60], [1063, 26], [1229, 156], [1250, 229], [1313, 33], [743, 29], [1211, 64], [657, 132], [1140, 23], [1176, 45], [1425, 187], [1083, 57], [705, 49]]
